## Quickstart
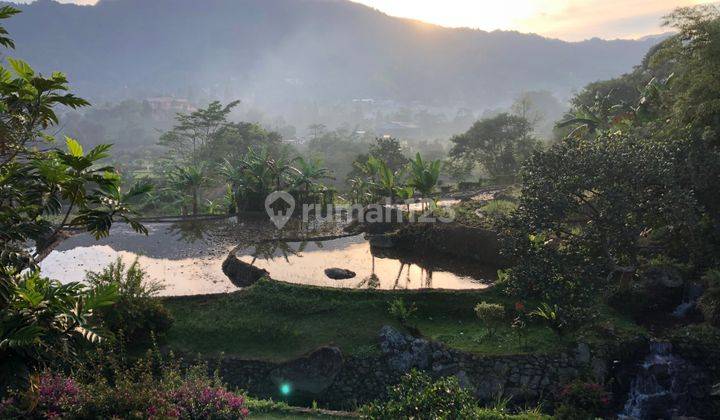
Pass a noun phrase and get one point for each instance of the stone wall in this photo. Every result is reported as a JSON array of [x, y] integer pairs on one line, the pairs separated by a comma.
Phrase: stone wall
[[341, 382]]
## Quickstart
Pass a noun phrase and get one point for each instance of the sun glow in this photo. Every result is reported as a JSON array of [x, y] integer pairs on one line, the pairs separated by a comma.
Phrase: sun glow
[[461, 13], [565, 19]]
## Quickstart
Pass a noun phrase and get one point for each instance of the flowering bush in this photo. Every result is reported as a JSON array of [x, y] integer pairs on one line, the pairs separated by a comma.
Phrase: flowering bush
[[147, 389], [196, 400], [58, 396], [582, 400]]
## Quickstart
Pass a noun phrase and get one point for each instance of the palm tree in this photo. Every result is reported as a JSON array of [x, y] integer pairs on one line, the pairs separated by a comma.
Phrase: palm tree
[[360, 190], [189, 180], [306, 175], [424, 175]]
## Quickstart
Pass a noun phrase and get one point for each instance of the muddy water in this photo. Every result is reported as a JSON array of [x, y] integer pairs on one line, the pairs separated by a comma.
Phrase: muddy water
[[186, 258], [305, 263]]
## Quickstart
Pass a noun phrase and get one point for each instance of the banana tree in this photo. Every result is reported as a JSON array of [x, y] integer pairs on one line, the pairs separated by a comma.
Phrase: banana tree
[[386, 181], [424, 175], [306, 175]]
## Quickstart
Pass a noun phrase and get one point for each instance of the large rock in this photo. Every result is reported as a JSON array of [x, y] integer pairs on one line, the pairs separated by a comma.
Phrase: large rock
[[339, 273], [402, 351], [313, 373], [240, 273]]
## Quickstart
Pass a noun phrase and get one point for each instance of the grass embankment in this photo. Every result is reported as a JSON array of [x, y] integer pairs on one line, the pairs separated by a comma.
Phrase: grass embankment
[[278, 321]]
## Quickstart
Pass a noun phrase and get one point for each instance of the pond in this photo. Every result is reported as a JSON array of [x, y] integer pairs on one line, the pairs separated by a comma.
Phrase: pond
[[305, 263], [186, 257]]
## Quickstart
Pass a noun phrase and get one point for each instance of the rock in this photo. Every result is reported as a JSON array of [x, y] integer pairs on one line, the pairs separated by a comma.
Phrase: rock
[[403, 352], [313, 373], [582, 353], [339, 273], [240, 273]]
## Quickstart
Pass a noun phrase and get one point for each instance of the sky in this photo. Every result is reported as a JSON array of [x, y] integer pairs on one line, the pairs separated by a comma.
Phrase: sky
[[570, 20]]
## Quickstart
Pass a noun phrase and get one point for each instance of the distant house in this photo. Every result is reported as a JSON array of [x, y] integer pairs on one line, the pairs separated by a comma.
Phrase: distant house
[[170, 104], [397, 129]]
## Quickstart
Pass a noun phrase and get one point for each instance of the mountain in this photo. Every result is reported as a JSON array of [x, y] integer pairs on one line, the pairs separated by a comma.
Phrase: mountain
[[292, 51]]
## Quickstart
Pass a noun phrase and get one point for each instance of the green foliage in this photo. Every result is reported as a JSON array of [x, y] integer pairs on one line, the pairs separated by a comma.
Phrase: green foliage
[[188, 181], [424, 175], [582, 400], [552, 315], [399, 310], [498, 208], [491, 314], [41, 319], [109, 385], [194, 131], [137, 312], [284, 321], [417, 396], [501, 144], [709, 302]]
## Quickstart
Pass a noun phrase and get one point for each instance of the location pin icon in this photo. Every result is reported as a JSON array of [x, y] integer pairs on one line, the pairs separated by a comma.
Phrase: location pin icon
[[284, 211]]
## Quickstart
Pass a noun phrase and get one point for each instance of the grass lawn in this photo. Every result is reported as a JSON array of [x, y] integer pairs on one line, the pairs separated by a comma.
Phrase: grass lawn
[[289, 416], [278, 321]]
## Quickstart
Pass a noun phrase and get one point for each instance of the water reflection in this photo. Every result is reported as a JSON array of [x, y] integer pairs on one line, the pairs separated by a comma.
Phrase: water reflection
[[186, 256], [305, 262]]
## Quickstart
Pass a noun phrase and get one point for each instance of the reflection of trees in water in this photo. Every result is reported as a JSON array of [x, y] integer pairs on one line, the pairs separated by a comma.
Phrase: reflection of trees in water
[[190, 231], [269, 250], [371, 282]]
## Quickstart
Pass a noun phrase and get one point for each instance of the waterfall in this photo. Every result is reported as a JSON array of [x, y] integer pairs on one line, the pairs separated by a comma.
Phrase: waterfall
[[692, 294], [659, 390]]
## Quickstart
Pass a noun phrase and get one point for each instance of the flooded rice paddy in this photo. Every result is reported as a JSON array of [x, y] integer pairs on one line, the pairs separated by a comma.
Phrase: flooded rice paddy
[[186, 257]]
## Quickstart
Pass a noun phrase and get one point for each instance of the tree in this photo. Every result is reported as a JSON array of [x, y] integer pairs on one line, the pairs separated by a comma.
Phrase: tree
[[306, 174], [39, 318], [389, 151], [189, 180], [194, 131], [424, 175], [501, 144], [386, 149], [638, 182], [385, 180]]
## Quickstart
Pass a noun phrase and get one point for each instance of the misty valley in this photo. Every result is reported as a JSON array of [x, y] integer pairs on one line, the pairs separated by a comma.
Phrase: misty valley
[[319, 209]]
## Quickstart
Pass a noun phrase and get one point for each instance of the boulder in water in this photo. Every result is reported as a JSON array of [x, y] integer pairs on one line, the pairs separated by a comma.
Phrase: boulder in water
[[339, 273]]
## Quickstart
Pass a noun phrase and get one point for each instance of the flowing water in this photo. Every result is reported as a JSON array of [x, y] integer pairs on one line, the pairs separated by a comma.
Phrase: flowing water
[[306, 262], [660, 389]]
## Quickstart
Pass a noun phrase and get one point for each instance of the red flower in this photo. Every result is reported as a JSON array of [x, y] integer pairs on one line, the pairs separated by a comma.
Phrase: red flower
[[519, 306]]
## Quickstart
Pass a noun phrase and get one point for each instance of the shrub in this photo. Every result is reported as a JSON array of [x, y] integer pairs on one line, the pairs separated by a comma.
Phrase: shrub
[[491, 314], [418, 397], [498, 208], [110, 387], [709, 303], [401, 311], [581, 401], [137, 312]]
